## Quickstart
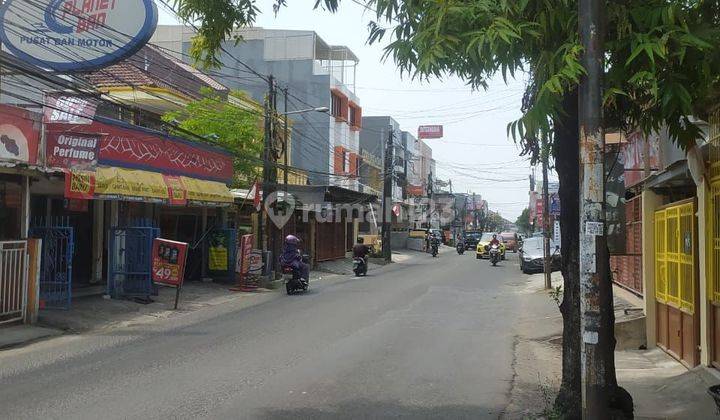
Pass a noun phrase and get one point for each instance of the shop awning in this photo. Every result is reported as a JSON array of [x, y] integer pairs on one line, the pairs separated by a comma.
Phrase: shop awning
[[206, 191], [113, 183]]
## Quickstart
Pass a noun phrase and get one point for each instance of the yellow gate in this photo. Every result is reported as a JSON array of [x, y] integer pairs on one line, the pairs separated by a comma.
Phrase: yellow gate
[[713, 240], [675, 256]]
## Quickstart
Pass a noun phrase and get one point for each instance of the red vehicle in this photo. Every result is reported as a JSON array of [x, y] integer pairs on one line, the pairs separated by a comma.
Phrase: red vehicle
[[510, 239]]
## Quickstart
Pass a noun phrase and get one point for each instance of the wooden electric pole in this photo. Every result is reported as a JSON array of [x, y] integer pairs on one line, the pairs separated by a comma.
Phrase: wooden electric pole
[[593, 261], [388, 179]]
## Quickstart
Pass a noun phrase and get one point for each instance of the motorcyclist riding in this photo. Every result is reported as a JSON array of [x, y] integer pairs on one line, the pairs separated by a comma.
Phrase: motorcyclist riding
[[360, 250], [494, 240], [291, 257]]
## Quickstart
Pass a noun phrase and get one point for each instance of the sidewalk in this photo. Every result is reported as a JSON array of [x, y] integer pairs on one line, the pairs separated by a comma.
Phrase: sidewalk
[[661, 387]]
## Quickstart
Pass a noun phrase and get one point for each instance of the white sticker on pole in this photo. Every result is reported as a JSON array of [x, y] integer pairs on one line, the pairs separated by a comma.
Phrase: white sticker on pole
[[590, 337], [594, 228]]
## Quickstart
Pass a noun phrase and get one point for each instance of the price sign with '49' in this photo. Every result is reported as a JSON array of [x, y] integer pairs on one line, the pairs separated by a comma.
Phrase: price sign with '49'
[[168, 261]]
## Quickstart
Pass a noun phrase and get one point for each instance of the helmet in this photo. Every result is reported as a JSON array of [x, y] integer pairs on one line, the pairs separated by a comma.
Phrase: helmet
[[494, 235], [292, 239]]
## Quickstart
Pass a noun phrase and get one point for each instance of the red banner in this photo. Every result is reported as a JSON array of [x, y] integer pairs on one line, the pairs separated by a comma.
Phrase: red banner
[[70, 150], [168, 261], [176, 191], [242, 264], [430, 131], [19, 134], [129, 146]]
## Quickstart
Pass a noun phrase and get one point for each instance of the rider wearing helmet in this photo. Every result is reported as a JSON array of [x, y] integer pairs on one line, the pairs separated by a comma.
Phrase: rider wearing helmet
[[494, 240], [291, 256]]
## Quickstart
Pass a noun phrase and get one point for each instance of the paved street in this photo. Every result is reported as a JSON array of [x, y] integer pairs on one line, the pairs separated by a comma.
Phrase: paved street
[[429, 338]]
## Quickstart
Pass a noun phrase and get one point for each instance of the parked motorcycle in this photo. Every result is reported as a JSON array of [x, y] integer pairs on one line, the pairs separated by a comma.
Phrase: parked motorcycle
[[360, 267], [460, 248], [293, 278], [494, 252]]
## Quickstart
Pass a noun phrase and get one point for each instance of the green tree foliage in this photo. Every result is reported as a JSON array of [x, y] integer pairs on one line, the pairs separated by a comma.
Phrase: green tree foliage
[[233, 127], [523, 221]]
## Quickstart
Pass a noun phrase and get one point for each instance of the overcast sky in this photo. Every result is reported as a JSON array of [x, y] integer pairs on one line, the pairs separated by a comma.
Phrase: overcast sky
[[475, 147]]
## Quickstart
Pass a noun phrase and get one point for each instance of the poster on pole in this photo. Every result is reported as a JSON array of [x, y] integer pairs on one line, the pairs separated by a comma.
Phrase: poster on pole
[[168, 264]]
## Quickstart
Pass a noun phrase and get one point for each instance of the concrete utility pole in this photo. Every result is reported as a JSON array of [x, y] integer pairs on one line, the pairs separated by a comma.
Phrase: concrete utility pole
[[546, 215], [388, 179], [269, 171], [593, 269]]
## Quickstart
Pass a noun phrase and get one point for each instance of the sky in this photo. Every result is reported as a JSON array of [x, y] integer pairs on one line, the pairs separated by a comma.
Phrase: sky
[[475, 151]]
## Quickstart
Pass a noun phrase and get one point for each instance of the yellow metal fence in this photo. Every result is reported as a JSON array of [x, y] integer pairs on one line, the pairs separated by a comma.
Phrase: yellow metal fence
[[713, 240], [675, 256]]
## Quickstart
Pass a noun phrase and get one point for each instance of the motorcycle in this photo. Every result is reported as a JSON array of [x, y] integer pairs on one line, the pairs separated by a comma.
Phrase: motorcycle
[[494, 252], [293, 279], [460, 248], [359, 267]]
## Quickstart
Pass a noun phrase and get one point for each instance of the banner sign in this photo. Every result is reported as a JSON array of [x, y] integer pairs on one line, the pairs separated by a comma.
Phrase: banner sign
[[555, 204], [73, 151], [430, 131], [168, 264], [134, 147], [177, 195], [255, 262], [19, 134], [242, 264], [68, 109], [72, 35]]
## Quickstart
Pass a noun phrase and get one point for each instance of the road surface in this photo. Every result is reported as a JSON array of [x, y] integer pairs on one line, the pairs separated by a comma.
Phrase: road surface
[[429, 338]]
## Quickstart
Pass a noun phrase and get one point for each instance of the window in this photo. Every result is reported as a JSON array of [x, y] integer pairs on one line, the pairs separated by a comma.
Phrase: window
[[346, 162], [339, 105], [355, 119]]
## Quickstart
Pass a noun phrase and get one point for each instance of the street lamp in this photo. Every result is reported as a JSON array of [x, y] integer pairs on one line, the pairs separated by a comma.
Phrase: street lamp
[[302, 111]]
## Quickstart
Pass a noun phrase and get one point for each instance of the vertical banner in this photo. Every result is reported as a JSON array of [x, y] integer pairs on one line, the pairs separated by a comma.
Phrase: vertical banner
[[242, 264]]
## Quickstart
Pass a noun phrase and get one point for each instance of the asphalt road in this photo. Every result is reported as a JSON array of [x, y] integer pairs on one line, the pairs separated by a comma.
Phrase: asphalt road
[[430, 338]]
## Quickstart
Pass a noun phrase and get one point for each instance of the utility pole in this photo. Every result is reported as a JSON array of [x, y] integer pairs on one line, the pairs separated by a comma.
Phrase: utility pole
[[546, 214], [286, 146], [593, 267], [475, 214], [269, 171], [388, 179]]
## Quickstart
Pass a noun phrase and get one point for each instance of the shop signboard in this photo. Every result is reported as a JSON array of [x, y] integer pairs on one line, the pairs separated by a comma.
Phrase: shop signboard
[[73, 35], [71, 150], [68, 109], [168, 263], [218, 250], [19, 134], [128, 146], [430, 131]]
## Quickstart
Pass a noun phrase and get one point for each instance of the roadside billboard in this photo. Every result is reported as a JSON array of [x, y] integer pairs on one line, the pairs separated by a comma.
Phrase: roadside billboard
[[430, 131]]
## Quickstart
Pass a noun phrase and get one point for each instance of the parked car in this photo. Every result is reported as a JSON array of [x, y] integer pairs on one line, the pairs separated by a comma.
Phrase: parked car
[[485, 240], [531, 255], [510, 239]]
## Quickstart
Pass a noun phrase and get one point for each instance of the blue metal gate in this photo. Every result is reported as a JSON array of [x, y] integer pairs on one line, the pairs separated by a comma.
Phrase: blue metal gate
[[130, 261], [55, 265]]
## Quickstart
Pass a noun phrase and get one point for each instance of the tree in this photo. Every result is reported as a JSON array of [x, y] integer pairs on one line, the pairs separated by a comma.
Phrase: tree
[[662, 63], [231, 126], [523, 221]]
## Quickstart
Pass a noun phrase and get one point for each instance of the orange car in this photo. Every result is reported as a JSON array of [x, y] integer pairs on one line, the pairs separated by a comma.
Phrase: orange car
[[510, 239]]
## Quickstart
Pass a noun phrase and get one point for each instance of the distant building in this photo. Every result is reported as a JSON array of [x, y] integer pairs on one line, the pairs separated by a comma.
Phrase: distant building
[[316, 73]]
